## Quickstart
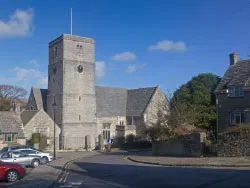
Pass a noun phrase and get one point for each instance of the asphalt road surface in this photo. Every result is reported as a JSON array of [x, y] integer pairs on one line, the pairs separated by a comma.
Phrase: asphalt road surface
[[109, 171]]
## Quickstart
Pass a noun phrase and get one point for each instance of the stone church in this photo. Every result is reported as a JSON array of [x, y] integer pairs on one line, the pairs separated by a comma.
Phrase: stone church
[[83, 109]]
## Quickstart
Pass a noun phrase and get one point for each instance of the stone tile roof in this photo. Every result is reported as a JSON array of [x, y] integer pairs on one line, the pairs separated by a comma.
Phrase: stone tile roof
[[40, 98], [236, 75], [138, 99], [10, 122], [111, 101], [26, 116]]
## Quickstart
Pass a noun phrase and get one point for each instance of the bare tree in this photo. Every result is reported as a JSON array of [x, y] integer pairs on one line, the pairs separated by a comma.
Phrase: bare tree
[[9, 93], [172, 120]]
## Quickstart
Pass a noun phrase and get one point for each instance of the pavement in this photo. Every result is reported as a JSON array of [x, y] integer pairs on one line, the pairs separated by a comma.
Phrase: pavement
[[45, 175], [119, 169], [113, 170], [192, 161]]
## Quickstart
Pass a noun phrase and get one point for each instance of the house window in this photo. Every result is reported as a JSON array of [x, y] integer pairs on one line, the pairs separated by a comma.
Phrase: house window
[[236, 92], [9, 137], [41, 130], [106, 131], [237, 118]]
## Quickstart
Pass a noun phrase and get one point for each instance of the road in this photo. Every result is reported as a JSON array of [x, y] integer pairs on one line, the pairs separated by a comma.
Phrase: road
[[109, 171]]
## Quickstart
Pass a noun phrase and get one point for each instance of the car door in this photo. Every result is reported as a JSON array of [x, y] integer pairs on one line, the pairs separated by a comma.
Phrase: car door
[[26, 157], [2, 170], [19, 158], [7, 157]]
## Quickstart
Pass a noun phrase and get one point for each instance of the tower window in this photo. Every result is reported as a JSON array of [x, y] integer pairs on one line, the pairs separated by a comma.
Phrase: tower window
[[55, 51], [79, 98], [79, 117], [54, 70]]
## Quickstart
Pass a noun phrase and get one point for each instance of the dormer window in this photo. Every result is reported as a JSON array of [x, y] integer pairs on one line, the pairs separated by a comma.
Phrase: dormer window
[[236, 92]]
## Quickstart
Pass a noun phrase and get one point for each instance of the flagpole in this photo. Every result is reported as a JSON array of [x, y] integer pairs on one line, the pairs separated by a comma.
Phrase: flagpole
[[71, 21]]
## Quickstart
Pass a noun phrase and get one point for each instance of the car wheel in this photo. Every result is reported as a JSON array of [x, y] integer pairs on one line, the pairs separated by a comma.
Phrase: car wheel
[[45, 159], [12, 176], [35, 163]]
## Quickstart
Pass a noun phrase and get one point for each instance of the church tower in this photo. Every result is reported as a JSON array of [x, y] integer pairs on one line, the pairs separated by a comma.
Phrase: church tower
[[71, 86]]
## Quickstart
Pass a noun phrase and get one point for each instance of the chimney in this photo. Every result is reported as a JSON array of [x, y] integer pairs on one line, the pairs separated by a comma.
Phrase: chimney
[[15, 107], [234, 58]]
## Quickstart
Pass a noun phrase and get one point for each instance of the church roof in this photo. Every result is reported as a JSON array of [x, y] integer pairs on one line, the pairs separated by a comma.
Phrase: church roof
[[236, 75], [27, 115], [122, 102], [110, 101], [10, 122], [40, 96], [138, 99]]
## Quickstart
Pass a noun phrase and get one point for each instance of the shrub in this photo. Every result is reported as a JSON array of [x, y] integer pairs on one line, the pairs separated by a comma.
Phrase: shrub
[[35, 138], [238, 128]]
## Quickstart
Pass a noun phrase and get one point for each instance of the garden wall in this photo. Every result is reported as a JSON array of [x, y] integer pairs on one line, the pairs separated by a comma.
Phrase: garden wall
[[184, 146], [232, 144]]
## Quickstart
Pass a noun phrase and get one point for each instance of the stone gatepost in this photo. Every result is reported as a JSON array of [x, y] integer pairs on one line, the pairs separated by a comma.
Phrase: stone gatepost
[[100, 140], [88, 142]]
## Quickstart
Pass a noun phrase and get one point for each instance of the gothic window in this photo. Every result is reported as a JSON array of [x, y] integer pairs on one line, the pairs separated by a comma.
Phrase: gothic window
[[79, 117], [79, 98], [106, 130]]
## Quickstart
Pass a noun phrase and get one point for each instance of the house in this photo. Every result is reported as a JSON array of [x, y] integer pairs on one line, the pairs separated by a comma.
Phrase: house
[[233, 94], [38, 121], [11, 129], [17, 127]]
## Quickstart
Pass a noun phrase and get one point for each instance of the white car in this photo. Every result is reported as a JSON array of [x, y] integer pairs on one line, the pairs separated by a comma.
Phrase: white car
[[46, 157]]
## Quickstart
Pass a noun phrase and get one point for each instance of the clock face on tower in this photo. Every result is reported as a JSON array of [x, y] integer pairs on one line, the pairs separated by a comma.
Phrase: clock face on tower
[[80, 68]]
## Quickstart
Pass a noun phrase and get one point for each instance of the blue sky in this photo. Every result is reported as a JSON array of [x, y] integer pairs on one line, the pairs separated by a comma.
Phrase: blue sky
[[138, 43]]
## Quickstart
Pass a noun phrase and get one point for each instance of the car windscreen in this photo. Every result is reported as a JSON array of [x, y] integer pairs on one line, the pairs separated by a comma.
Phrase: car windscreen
[[4, 149]]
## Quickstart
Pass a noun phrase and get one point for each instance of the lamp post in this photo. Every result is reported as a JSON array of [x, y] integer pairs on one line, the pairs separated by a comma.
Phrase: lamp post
[[54, 109]]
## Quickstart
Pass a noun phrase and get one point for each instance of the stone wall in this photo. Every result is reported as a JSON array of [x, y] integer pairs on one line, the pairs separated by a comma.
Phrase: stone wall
[[158, 102], [184, 146], [234, 144]]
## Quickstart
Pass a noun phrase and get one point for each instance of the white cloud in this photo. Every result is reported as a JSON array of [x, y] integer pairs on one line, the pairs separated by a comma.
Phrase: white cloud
[[100, 69], [133, 68], [170, 46], [19, 24], [43, 81], [35, 63], [22, 74], [124, 56], [29, 77]]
